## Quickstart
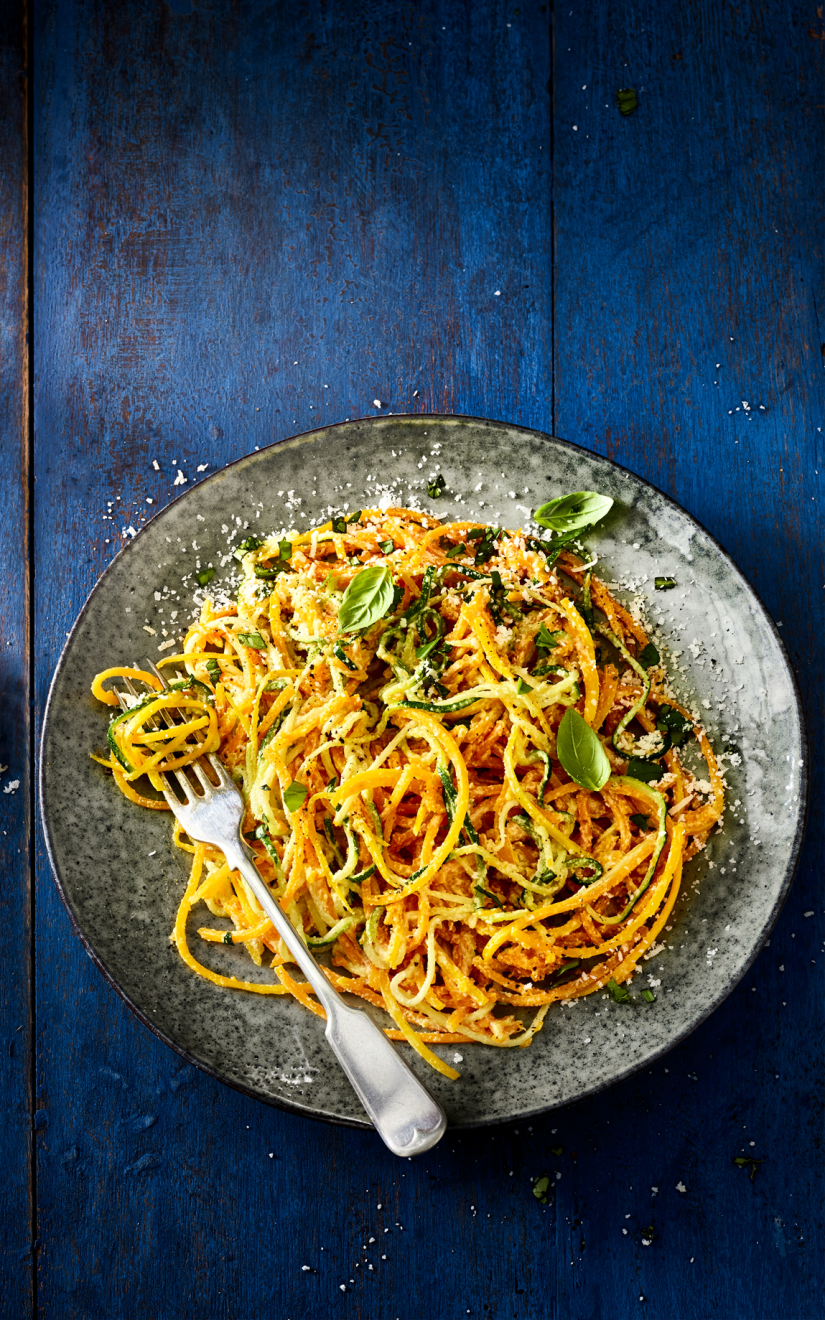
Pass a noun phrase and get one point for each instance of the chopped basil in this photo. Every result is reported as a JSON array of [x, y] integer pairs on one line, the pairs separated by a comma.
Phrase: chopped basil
[[227, 938], [581, 753], [367, 599], [255, 640], [673, 722], [649, 656], [456, 550], [522, 687], [641, 820], [213, 669], [541, 1188], [572, 513], [627, 100], [205, 575], [618, 993], [251, 543], [745, 1162], [386, 547], [546, 640], [647, 771], [295, 795], [435, 488], [664, 583], [339, 524], [648, 996], [486, 544]]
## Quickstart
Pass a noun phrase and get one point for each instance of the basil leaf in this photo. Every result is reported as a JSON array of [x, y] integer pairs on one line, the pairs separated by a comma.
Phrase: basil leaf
[[572, 513], [674, 722], [285, 549], [522, 687], [366, 600], [641, 820], [213, 669], [647, 771], [251, 543], [649, 656], [456, 550], [664, 583], [386, 547], [618, 993], [255, 640], [627, 100], [295, 795], [546, 640], [435, 488], [580, 752], [205, 575], [648, 996], [541, 1188]]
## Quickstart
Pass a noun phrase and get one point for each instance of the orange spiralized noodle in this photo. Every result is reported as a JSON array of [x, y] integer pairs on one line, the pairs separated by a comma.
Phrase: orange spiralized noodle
[[403, 794]]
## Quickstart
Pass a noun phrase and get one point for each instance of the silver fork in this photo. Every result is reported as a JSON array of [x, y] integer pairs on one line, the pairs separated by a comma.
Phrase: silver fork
[[403, 1112]]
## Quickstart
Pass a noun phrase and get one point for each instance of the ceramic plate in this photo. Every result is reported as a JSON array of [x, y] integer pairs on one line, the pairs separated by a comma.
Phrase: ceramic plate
[[121, 878]]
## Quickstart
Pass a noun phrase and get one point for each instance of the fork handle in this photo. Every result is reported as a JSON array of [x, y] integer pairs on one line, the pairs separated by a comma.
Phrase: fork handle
[[405, 1115]]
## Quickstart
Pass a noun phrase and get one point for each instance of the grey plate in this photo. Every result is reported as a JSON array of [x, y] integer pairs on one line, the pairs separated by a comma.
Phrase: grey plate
[[122, 900]]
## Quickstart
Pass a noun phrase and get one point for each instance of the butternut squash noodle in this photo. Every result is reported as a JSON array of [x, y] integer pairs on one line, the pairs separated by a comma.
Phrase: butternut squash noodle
[[405, 800]]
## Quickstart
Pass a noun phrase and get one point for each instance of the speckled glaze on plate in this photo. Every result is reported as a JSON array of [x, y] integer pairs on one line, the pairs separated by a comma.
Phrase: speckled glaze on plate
[[122, 899]]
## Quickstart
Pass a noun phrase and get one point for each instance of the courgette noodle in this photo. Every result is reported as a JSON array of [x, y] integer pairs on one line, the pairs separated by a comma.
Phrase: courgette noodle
[[403, 796]]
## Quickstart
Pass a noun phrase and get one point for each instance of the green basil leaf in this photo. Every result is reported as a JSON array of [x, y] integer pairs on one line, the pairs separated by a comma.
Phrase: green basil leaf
[[649, 656], [522, 687], [255, 640], [572, 513], [647, 771], [640, 819], [251, 543], [546, 640], [285, 549], [366, 600], [541, 1188], [294, 795], [456, 550], [627, 100], [618, 993], [664, 583], [435, 488], [581, 753], [213, 669], [648, 996], [205, 575], [674, 722], [386, 547]]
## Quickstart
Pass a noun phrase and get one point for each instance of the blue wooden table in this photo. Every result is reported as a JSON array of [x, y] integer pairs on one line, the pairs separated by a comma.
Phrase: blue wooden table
[[223, 224]]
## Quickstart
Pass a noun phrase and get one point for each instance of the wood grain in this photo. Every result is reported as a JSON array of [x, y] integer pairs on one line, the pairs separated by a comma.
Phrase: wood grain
[[251, 220], [16, 1217]]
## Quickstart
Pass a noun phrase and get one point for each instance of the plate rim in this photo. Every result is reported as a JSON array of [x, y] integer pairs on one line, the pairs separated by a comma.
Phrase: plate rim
[[363, 1124]]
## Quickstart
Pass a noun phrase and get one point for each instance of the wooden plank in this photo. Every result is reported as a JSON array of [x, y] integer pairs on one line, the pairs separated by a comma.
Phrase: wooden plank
[[687, 268], [16, 1218]]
